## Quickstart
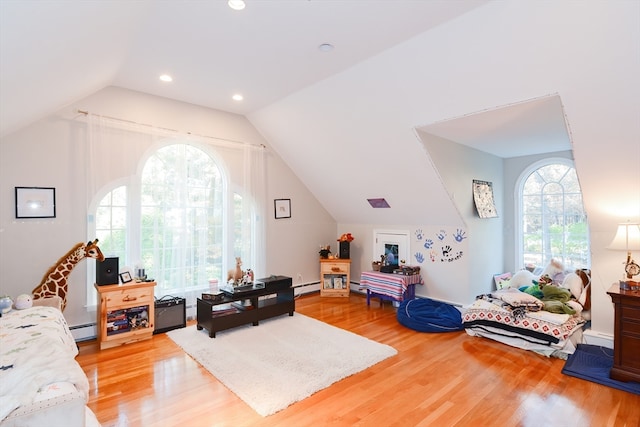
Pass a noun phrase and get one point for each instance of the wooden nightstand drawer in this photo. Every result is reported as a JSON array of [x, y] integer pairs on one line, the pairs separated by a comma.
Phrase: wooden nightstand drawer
[[129, 296], [630, 313], [334, 268]]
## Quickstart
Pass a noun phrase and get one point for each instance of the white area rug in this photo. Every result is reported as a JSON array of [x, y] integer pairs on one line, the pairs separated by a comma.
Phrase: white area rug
[[281, 361]]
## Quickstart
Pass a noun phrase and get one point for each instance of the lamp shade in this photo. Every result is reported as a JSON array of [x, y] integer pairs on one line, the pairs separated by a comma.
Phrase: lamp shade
[[627, 237]]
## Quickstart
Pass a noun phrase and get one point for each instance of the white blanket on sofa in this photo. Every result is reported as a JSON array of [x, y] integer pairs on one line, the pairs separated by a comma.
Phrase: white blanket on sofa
[[36, 349]]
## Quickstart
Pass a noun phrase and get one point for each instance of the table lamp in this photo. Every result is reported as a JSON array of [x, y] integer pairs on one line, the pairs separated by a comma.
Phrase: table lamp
[[627, 238]]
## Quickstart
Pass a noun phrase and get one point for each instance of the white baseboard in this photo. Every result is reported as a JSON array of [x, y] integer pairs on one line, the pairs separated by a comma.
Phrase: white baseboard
[[598, 338], [84, 332], [306, 288]]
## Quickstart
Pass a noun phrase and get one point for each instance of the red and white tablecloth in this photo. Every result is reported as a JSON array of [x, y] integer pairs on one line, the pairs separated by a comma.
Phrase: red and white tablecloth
[[394, 286]]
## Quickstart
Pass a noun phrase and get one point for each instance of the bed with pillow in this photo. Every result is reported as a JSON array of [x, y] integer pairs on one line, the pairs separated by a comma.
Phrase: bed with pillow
[[41, 383], [544, 316]]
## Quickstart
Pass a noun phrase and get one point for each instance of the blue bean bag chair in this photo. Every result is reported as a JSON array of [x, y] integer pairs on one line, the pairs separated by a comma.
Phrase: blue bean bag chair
[[427, 315]]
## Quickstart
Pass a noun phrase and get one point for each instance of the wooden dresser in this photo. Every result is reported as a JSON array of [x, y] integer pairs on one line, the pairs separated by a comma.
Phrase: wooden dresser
[[626, 342]]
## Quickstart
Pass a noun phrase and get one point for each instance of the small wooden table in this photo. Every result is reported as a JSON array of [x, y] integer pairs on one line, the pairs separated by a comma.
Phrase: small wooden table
[[125, 313], [390, 286], [626, 340]]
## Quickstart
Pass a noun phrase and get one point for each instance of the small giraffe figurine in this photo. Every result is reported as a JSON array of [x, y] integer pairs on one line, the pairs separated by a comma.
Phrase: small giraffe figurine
[[237, 273], [54, 281]]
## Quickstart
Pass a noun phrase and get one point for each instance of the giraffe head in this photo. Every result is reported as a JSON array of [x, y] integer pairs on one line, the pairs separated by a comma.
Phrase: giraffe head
[[92, 250]]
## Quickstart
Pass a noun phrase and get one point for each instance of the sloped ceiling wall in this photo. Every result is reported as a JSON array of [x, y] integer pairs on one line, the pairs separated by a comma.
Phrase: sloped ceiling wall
[[351, 136]]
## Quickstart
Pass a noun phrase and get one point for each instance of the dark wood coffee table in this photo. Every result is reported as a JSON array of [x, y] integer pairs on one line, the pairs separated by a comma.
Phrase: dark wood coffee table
[[247, 306]]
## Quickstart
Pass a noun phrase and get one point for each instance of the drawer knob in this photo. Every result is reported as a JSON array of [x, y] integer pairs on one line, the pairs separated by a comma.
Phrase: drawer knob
[[336, 269], [128, 298]]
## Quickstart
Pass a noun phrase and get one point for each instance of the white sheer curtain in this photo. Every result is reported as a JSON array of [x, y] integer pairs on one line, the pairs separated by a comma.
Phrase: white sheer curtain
[[117, 153]]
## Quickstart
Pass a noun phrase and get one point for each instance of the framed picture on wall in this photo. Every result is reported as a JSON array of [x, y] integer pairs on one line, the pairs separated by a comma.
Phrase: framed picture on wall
[[282, 208], [35, 202]]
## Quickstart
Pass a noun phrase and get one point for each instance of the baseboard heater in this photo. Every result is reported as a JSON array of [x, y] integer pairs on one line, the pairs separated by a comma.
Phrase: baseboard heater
[[84, 332], [171, 313]]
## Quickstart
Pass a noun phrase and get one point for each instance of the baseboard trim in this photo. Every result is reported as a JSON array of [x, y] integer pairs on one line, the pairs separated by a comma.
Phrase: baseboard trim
[[598, 338], [85, 332]]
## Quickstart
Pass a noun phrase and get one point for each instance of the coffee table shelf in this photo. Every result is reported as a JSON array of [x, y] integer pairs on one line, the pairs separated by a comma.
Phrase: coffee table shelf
[[275, 299]]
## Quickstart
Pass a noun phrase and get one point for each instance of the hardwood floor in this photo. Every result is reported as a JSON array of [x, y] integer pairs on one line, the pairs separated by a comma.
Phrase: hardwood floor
[[447, 379]]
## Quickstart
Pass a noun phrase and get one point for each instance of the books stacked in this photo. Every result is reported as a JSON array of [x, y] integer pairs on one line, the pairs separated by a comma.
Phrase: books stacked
[[407, 270]]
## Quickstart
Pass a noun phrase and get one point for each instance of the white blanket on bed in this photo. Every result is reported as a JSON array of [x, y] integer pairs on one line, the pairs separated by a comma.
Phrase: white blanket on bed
[[36, 349]]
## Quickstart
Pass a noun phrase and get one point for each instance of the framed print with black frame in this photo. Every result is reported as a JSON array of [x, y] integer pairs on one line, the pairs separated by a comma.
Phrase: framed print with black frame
[[125, 277], [282, 208], [35, 202]]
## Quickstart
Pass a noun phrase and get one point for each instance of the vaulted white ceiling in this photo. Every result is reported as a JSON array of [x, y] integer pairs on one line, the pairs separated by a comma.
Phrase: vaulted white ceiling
[[58, 51]]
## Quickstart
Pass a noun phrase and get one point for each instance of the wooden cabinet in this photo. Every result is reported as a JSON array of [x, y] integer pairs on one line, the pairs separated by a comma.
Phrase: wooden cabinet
[[626, 341], [335, 277], [126, 313]]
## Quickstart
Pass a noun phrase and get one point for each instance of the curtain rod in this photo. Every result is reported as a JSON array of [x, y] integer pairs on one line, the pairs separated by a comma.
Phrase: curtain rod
[[86, 113]]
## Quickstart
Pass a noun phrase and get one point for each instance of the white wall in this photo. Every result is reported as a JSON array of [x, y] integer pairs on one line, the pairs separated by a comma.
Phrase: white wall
[[502, 53], [51, 152]]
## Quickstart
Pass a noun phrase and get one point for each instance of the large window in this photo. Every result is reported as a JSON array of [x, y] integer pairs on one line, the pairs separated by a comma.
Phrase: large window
[[178, 220], [553, 223], [181, 217]]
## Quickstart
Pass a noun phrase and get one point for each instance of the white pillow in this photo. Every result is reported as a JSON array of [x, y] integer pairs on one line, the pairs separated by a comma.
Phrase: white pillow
[[573, 282], [522, 278]]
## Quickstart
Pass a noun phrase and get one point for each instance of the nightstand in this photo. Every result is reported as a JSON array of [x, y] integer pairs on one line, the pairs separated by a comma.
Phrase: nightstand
[[626, 341]]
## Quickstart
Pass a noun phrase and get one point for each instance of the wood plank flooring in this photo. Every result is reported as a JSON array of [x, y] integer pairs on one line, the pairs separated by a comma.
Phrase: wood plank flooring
[[447, 379]]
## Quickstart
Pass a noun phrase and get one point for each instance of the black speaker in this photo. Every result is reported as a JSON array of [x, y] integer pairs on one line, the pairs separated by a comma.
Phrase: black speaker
[[171, 313], [107, 272], [344, 250]]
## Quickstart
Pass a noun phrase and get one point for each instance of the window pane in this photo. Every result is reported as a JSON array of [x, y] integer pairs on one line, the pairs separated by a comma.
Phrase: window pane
[[181, 233], [553, 222]]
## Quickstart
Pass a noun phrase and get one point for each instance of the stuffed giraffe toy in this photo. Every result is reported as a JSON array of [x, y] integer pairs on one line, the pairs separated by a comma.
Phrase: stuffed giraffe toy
[[54, 281]]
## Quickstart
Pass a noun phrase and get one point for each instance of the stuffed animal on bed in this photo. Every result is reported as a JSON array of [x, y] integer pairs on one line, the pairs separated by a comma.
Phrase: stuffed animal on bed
[[23, 301]]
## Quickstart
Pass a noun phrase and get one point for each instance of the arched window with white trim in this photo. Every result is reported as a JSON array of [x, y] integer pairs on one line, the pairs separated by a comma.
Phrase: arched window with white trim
[[552, 222]]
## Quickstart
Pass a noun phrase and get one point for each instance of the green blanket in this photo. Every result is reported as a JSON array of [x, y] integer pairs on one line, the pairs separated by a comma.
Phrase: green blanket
[[555, 299]]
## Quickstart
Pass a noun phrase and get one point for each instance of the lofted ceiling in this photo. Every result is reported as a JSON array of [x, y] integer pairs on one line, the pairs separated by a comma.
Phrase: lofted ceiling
[[56, 52], [59, 51]]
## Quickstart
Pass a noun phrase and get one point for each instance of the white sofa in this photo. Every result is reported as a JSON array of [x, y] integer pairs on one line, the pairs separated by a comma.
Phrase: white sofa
[[41, 383]]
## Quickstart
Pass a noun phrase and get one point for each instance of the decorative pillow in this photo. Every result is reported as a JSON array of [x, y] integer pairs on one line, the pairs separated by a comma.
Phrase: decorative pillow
[[522, 278], [573, 282]]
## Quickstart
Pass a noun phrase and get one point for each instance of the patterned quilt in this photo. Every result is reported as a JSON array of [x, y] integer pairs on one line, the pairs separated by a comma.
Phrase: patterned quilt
[[538, 327]]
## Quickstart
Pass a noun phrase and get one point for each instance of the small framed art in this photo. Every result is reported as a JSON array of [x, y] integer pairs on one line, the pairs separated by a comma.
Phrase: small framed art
[[125, 277], [282, 208], [35, 202]]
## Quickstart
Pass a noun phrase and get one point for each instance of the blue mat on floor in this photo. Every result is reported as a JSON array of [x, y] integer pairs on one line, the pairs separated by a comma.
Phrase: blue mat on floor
[[592, 363]]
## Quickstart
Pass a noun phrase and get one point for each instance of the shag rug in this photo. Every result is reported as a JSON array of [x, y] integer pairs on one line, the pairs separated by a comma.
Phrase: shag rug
[[282, 360], [593, 363]]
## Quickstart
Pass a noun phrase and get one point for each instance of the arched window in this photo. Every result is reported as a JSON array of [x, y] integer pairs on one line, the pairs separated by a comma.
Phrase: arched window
[[181, 218], [178, 219], [551, 217]]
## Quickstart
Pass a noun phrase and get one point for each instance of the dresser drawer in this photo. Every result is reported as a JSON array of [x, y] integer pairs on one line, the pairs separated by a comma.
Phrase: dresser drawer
[[129, 296], [630, 313], [334, 268]]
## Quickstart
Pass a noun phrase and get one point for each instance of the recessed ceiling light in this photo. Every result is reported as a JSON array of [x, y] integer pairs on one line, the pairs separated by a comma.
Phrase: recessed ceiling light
[[237, 97], [326, 47], [166, 78], [236, 4]]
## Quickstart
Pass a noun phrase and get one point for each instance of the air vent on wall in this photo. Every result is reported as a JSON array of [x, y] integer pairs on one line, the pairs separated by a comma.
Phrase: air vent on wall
[[378, 203]]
